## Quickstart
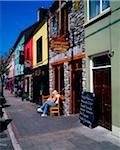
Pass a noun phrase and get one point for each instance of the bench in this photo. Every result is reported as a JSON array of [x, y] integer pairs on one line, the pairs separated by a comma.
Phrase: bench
[[53, 109]]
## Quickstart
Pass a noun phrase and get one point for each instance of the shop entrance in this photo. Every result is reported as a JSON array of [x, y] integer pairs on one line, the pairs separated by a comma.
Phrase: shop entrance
[[76, 85], [102, 89]]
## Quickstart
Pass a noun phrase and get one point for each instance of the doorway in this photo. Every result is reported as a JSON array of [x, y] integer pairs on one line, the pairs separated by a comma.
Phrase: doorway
[[102, 90], [76, 85]]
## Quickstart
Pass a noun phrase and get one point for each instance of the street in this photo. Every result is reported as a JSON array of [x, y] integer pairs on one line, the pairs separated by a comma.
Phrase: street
[[33, 132]]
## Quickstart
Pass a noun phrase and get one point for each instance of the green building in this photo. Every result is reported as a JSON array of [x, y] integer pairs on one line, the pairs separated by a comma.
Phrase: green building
[[102, 44]]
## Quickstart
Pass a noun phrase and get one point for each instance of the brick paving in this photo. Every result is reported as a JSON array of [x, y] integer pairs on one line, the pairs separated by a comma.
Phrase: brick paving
[[34, 132]]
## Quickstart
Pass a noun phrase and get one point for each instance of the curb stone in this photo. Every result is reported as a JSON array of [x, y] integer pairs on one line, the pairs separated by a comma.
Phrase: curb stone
[[14, 141]]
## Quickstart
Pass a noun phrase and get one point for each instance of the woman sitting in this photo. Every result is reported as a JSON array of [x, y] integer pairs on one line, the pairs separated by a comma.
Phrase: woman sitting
[[51, 101]]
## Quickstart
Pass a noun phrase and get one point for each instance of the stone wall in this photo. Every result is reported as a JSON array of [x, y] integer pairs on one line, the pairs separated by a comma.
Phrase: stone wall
[[76, 20]]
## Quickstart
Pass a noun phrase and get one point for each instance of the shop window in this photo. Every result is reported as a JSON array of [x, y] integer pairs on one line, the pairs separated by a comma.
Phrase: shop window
[[39, 50], [56, 78], [97, 7], [62, 80]]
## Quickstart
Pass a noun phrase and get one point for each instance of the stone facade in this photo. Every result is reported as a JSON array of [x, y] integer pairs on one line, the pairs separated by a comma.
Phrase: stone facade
[[76, 20]]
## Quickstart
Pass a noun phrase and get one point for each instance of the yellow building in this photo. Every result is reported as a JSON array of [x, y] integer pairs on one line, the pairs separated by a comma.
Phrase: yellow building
[[40, 62], [40, 45]]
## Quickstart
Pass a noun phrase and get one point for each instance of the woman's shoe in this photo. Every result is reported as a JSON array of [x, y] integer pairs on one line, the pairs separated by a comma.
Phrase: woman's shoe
[[44, 115], [39, 110]]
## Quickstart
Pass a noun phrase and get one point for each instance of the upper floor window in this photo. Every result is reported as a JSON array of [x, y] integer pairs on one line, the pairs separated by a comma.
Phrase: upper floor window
[[59, 21], [54, 25], [64, 21], [39, 50], [96, 7]]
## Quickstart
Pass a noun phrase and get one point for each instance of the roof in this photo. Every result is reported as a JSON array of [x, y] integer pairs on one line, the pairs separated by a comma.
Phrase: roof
[[54, 6], [27, 33]]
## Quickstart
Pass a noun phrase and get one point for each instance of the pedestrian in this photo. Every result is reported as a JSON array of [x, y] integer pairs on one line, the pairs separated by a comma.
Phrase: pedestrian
[[15, 89], [51, 101], [12, 88]]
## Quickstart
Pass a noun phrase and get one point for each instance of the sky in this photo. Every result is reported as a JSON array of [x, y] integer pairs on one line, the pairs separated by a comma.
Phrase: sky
[[15, 16]]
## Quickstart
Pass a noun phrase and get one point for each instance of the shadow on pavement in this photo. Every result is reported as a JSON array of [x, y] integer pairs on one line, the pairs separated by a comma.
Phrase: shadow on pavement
[[4, 124]]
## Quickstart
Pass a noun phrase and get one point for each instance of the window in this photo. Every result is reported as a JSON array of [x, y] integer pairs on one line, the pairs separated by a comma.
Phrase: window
[[54, 25], [64, 21], [101, 61], [96, 7], [39, 49], [59, 78]]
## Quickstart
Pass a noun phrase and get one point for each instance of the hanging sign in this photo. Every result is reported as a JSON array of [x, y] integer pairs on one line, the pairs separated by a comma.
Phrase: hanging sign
[[59, 44]]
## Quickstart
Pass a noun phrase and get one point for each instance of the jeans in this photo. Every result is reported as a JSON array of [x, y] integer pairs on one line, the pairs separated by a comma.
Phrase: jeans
[[44, 107]]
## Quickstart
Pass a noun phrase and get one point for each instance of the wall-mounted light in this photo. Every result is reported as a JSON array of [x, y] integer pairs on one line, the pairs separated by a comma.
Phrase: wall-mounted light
[[111, 53]]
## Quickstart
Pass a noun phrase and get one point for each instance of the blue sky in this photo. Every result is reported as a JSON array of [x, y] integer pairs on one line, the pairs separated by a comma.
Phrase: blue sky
[[16, 16]]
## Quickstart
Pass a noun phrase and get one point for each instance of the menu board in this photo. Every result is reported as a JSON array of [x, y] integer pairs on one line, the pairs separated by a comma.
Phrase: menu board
[[88, 115]]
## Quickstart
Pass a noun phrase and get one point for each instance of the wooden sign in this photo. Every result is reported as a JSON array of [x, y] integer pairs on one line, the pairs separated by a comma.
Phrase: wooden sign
[[59, 44]]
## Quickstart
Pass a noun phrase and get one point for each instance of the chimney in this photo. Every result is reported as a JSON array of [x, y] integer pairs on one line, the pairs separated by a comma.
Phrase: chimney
[[41, 14]]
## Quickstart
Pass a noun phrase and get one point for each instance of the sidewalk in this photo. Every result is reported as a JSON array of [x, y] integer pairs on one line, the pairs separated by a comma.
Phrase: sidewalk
[[33, 132], [5, 140]]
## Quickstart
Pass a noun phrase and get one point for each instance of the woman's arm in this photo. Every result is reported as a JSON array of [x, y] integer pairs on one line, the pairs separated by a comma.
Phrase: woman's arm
[[53, 99]]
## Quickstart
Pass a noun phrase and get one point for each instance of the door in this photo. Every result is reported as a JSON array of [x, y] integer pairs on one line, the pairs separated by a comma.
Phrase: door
[[77, 85], [102, 89]]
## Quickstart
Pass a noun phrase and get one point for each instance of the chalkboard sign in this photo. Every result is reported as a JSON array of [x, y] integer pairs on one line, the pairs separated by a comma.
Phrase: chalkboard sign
[[88, 110]]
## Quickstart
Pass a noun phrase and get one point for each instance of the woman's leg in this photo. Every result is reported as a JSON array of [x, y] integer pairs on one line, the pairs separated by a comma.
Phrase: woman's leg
[[42, 107], [46, 106]]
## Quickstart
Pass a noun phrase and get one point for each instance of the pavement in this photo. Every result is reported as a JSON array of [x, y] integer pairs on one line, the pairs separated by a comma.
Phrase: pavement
[[5, 141], [29, 131]]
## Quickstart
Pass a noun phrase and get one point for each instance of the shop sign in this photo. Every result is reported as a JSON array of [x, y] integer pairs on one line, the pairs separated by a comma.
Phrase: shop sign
[[59, 44], [38, 73], [88, 113]]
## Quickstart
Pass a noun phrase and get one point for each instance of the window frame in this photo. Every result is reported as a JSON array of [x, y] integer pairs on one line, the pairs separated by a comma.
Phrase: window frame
[[59, 78], [101, 11], [38, 60]]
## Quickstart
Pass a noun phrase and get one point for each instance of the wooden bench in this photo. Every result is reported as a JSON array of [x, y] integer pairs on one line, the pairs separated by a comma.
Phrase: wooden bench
[[54, 110], [44, 98]]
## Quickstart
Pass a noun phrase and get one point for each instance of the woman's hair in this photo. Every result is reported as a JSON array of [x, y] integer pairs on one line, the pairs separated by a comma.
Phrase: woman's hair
[[54, 92]]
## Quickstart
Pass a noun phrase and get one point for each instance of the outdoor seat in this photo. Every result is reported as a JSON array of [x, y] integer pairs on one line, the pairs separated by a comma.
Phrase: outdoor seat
[[44, 98], [54, 110]]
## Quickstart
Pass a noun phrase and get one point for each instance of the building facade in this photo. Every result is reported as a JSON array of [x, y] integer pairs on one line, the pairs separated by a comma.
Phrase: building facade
[[19, 61], [28, 62], [40, 76], [66, 52], [10, 76], [102, 46]]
